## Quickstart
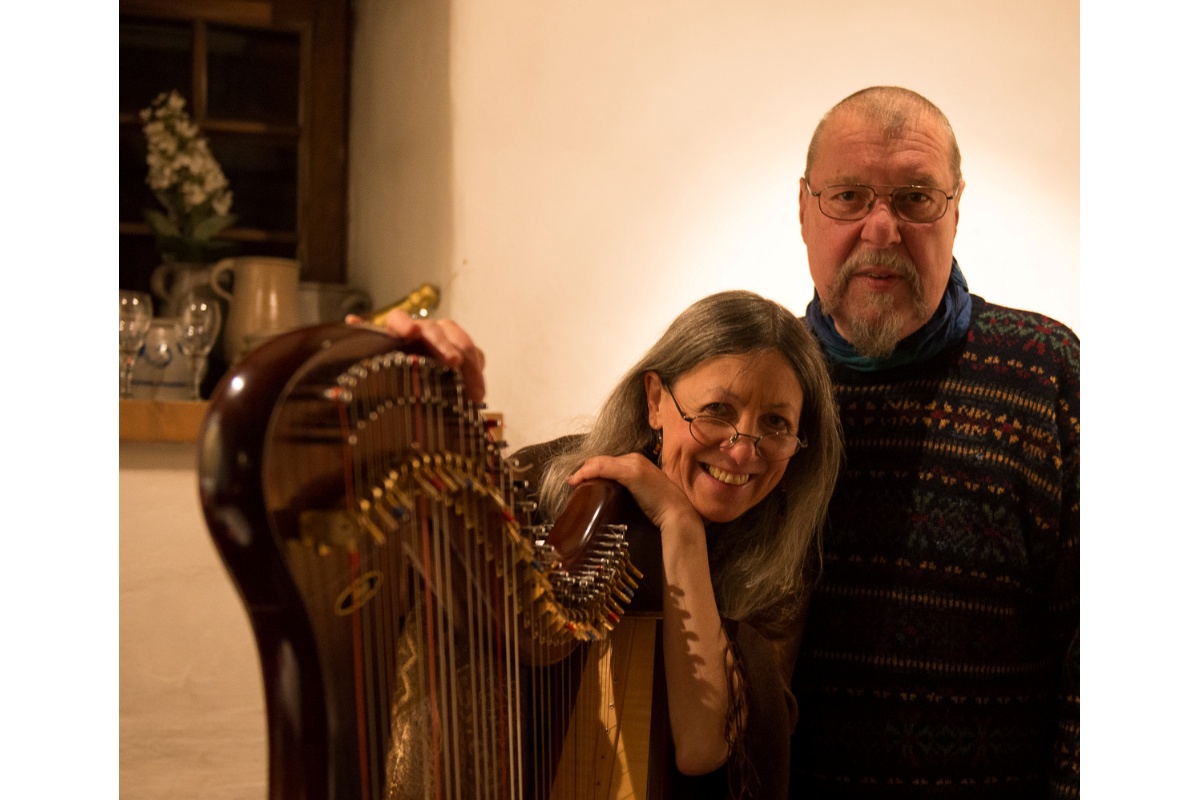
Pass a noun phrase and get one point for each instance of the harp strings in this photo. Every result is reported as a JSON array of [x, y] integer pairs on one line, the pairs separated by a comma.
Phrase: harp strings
[[465, 611], [353, 470], [460, 678]]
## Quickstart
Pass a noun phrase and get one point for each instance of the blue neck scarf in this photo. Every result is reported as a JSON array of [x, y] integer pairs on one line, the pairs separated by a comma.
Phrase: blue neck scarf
[[947, 326]]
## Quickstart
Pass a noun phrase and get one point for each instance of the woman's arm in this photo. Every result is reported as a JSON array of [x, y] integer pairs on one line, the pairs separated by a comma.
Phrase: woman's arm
[[696, 652]]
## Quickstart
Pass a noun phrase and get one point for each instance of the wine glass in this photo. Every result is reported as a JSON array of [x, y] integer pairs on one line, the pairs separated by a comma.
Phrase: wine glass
[[196, 330], [137, 310]]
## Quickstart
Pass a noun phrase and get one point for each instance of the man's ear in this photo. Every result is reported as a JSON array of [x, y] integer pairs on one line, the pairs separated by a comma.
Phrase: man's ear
[[653, 399], [804, 198], [958, 203]]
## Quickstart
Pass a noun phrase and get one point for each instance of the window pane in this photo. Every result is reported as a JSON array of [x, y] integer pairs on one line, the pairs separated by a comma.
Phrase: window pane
[[253, 75], [262, 174], [155, 57], [135, 194], [137, 260]]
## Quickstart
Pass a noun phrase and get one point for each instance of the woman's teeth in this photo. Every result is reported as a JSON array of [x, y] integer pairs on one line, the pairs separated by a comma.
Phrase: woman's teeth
[[726, 477]]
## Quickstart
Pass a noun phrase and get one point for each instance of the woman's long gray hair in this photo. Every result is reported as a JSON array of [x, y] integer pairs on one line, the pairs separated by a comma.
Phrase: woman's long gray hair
[[763, 556]]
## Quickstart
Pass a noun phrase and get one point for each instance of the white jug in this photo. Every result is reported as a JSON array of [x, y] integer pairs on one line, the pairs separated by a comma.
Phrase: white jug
[[263, 301]]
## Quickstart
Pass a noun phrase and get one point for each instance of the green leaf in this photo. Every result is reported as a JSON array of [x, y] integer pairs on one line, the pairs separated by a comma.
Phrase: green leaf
[[169, 201], [212, 226], [161, 223]]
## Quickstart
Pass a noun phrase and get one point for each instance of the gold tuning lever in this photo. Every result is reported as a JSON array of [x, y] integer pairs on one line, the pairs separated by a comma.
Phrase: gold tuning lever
[[419, 303]]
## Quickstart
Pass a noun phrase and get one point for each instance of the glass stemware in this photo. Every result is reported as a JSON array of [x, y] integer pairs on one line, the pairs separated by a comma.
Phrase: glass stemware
[[137, 310], [196, 330]]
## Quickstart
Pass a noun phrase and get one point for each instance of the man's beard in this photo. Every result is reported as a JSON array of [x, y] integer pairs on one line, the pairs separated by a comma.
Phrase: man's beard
[[875, 333]]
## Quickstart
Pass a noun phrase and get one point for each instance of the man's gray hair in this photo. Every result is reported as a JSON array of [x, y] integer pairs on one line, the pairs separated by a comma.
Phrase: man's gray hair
[[894, 108]]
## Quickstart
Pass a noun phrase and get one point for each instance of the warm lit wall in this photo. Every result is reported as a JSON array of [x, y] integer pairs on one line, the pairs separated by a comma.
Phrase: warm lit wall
[[574, 174], [192, 718]]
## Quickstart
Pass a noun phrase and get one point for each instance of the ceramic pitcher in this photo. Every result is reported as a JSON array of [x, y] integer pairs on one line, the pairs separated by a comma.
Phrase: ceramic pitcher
[[262, 303], [170, 283]]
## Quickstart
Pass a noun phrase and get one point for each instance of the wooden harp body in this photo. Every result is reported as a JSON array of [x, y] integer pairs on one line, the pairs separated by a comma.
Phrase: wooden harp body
[[418, 634]]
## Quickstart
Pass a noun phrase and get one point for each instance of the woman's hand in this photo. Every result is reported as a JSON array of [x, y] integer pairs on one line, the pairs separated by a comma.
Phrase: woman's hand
[[661, 501], [450, 344]]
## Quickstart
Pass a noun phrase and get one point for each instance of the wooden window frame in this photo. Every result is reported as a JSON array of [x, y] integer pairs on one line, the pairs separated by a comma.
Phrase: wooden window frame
[[322, 125]]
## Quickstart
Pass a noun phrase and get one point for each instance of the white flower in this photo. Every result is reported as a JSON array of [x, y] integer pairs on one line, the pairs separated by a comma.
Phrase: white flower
[[180, 166]]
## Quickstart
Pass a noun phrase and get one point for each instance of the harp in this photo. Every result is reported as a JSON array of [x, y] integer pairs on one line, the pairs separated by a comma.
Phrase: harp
[[419, 634]]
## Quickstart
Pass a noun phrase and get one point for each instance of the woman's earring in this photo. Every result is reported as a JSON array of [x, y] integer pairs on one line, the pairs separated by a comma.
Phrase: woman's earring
[[658, 442]]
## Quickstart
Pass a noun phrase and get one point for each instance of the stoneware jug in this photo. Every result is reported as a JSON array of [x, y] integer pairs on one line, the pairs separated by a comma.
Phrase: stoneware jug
[[171, 282], [262, 303]]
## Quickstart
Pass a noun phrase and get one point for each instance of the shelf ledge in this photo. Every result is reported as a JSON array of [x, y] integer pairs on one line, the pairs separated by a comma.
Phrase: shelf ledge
[[161, 420]]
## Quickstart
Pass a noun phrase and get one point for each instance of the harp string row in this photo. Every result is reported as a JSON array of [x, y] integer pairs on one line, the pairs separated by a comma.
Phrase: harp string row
[[471, 595]]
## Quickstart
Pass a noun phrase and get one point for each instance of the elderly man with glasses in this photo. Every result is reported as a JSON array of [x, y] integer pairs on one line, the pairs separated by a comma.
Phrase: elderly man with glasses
[[940, 654]]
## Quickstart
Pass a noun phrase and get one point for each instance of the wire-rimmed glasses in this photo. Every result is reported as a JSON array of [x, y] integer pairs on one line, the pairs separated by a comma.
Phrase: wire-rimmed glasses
[[716, 432], [850, 202], [137, 311]]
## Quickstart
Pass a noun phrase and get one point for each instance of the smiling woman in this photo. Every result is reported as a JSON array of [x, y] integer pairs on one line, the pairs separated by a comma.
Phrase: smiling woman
[[704, 455], [726, 435]]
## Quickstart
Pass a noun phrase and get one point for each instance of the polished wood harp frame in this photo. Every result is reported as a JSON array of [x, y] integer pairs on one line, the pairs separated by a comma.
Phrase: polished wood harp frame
[[418, 633]]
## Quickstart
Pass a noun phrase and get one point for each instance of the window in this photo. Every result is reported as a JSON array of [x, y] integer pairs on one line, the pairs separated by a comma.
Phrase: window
[[266, 82]]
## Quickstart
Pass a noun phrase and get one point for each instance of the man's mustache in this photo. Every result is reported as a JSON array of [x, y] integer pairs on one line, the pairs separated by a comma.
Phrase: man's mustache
[[898, 263]]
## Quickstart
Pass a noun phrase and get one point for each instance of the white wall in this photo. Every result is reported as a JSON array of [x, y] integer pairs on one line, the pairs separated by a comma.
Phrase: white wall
[[581, 171], [192, 713]]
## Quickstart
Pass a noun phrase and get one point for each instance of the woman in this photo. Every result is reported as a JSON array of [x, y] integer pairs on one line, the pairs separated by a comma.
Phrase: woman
[[726, 435]]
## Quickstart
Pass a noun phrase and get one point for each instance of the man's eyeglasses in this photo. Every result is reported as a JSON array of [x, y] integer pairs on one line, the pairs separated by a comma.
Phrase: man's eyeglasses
[[716, 432], [848, 202]]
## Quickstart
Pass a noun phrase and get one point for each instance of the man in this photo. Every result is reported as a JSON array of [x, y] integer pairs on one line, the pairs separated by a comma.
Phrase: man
[[940, 655]]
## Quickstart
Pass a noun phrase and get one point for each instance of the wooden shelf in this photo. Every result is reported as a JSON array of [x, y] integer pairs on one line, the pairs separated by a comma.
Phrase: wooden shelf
[[161, 420]]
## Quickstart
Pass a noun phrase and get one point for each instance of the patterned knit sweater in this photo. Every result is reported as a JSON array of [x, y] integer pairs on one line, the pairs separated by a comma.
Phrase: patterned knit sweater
[[940, 656]]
